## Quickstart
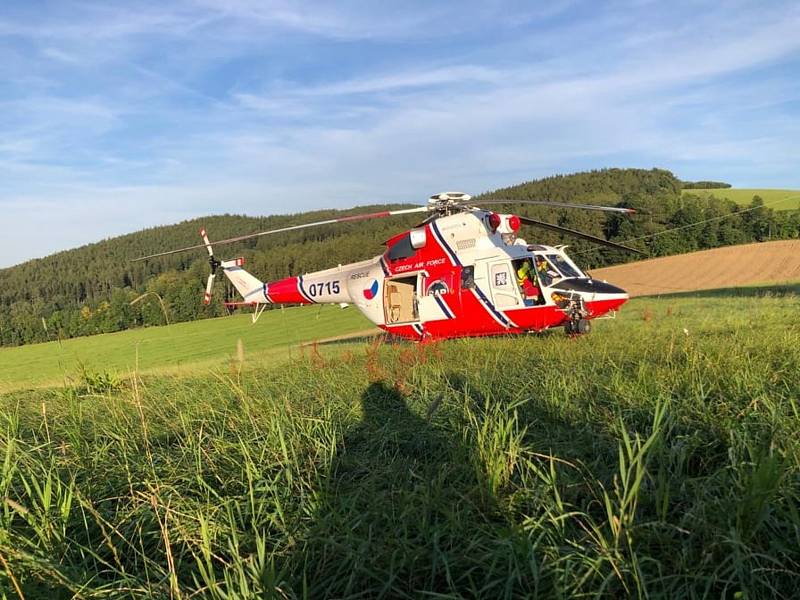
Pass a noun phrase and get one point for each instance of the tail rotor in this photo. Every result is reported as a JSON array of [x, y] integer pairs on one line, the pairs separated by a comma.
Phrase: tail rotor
[[213, 263], [209, 286]]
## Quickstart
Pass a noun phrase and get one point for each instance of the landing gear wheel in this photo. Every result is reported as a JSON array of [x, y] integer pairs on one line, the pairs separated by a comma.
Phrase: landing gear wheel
[[583, 326], [578, 327]]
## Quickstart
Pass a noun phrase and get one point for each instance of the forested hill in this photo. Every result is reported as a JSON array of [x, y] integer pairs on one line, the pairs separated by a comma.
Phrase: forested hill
[[88, 290]]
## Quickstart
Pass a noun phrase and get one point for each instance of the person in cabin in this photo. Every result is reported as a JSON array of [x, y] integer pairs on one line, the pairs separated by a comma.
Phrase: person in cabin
[[526, 278], [544, 272]]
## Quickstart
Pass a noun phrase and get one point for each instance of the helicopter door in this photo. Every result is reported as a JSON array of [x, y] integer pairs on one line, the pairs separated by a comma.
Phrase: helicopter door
[[505, 292], [399, 300], [435, 300]]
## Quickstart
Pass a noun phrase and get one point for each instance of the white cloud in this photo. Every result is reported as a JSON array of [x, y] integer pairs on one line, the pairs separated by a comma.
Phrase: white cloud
[[193, 110]]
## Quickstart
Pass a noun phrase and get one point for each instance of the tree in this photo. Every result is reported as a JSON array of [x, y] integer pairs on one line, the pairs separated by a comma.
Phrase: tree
[[89, 289]]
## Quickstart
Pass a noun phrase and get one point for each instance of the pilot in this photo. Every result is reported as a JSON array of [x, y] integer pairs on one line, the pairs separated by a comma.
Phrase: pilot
[[544, 271], [526, 277]]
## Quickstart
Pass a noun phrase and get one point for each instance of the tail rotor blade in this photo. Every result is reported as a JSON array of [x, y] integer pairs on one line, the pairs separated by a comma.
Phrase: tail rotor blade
[[206, 242], [209, 287]]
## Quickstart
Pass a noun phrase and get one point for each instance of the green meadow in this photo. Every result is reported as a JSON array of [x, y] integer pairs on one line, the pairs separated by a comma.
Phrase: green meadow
[[775, 199], [180, 347], [657, 457]]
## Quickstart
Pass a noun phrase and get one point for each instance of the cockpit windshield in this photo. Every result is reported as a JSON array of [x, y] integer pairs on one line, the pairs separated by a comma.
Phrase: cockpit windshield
[[560, 263]]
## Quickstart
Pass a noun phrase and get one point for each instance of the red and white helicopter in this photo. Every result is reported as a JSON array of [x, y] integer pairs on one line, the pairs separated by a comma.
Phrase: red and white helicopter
[[464, 271]]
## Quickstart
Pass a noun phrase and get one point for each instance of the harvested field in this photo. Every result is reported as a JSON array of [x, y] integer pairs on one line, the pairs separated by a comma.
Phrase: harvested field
[[732, 266], [774, 199]]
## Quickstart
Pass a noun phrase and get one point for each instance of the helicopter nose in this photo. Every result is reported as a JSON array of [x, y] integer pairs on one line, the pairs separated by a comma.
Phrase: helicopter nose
[[589, 286]]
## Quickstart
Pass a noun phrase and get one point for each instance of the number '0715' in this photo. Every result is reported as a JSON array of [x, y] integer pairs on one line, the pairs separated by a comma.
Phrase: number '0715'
[[327, 287]]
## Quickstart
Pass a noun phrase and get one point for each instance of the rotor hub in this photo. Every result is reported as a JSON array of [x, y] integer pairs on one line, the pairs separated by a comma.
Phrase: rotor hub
[[447, 203]]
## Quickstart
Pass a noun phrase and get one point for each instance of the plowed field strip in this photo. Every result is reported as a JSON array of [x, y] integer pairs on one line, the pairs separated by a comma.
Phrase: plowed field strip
[[732, 266]]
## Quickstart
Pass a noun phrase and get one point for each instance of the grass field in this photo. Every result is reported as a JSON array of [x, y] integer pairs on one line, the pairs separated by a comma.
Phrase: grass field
[[776, 199], [657, 457], [181, 347]]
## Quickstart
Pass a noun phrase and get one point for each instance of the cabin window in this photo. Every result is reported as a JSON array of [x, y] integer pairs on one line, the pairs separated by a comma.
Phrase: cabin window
[[402, 249]]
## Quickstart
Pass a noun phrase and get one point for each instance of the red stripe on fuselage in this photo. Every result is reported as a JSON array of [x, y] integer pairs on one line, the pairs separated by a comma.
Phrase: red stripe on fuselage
[[403, 331], [538, 317], [598, 308], [286, 291]]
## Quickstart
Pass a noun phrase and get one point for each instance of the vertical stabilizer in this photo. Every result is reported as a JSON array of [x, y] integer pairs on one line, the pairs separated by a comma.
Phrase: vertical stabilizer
[[248, 285]]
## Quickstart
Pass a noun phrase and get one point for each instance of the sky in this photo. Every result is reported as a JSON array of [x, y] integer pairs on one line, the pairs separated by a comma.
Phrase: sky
[[116, 116]]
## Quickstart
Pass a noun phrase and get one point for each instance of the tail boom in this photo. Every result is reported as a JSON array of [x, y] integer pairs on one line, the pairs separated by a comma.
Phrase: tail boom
[[322, 287], [339, 285], [248, 285], [308, 289], [314, 288]]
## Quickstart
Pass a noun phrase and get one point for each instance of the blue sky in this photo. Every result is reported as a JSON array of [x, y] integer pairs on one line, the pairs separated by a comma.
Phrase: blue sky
[[116, 116]]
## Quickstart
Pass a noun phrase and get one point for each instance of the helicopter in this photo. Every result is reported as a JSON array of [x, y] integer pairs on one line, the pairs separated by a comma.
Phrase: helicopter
[[463, 271]]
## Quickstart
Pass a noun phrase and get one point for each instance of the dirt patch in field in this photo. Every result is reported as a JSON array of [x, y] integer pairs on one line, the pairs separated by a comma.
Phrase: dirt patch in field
[[732, 266]]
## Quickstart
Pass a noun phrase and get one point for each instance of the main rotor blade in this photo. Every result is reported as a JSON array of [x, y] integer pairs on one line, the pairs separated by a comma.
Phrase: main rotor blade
[[349, 218], [559, 205], [579, 234]]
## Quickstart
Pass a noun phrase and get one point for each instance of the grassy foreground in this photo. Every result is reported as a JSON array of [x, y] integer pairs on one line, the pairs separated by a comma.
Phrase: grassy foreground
[[775, 199], [180, 347], [658, 457]]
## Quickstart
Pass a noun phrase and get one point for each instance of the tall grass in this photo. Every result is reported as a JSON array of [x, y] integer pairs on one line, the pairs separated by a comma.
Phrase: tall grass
[[639, 461]]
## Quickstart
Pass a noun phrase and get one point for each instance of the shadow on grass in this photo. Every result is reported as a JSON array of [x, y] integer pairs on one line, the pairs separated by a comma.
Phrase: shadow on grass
[[345, 339], [396, 508], [408, 506], [388, 338], [415, 505]]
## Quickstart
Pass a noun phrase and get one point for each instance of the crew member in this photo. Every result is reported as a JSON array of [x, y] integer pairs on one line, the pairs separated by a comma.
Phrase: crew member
[[526, 277], [544, 272]]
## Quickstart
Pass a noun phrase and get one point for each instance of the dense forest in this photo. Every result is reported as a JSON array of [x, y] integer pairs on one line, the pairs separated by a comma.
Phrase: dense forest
[[704, 185], [90, 289]]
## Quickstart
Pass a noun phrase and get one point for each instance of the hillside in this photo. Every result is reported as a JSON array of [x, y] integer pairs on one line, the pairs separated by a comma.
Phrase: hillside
[[732, 266], [89, 290]]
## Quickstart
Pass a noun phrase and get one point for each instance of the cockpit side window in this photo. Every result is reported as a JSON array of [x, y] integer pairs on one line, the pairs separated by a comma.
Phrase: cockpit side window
[[563, 266], [402, 248]]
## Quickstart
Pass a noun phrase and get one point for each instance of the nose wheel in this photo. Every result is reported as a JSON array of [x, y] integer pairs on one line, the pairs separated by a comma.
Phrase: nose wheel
[[578, 327], [578, 324]]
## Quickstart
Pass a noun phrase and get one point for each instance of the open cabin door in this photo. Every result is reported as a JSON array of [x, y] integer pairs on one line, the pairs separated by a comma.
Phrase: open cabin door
[[400, 303]]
